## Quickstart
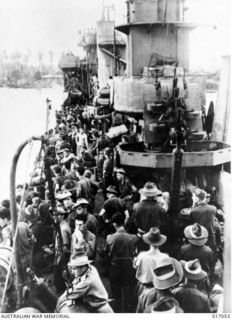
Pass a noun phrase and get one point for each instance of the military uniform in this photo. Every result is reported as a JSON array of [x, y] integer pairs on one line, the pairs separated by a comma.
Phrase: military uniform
[[90, 290]]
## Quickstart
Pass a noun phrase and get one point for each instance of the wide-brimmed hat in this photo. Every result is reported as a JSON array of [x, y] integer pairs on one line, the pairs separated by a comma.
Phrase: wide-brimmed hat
[[60, 210], [159, 193], [59, 151], [70, 185], [87, 173], [154, 237], [74, 124], [65, 146], [200, 193], [80, 201], [168, 273], [196, 234], [61, 125], [149, 190], [193, 270], [63, 195], [79, 260], [70, 117], [120, 170], [112, 189]]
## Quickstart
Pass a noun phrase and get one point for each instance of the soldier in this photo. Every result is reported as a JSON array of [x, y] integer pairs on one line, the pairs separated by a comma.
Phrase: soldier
[[205, 215], [189, 294], [107, 168], [197, 237], [83, 238], [6, 227], [87, 286], [124, 185], [146, 261], [148, 213], [120, 250], [81, 207]]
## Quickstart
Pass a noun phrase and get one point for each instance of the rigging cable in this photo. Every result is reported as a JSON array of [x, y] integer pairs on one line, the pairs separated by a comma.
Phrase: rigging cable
[[16, 231]]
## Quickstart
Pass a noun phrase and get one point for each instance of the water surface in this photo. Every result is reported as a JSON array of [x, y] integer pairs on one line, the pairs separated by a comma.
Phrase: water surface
[[22, 115]]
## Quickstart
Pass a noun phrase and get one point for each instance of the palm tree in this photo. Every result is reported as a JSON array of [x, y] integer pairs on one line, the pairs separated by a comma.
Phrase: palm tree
[[40, 58]]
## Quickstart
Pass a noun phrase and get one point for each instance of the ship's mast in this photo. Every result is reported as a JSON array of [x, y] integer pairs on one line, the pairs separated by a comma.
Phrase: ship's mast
[[155, 27], [110, 46]]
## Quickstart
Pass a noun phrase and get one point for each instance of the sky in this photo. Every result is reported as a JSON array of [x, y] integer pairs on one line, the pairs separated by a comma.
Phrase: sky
[[44, 25]]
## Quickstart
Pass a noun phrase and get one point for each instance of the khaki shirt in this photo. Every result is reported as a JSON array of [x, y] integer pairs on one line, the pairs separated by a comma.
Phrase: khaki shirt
[[90, 289]]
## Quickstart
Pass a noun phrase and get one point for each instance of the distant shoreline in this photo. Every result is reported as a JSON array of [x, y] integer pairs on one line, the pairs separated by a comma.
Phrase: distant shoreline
[[24, 84]]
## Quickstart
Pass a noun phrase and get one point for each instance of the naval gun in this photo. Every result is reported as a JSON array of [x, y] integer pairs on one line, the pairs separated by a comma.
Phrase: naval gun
[[175, 148]]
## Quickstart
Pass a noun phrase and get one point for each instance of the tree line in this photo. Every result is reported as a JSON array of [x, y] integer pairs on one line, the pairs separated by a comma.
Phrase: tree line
[[17, 66]]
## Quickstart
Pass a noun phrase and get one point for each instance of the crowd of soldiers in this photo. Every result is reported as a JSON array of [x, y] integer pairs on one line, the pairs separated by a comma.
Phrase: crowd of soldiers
[[105, 242]]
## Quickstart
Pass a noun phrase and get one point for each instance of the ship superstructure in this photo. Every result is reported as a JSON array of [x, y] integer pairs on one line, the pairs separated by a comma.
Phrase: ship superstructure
[[156, 90]]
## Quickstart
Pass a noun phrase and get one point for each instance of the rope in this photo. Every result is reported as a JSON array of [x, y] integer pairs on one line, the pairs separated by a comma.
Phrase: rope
[[165, 12], [16, 231]]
